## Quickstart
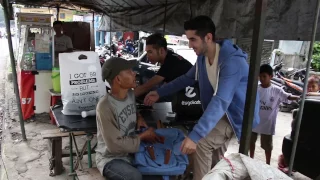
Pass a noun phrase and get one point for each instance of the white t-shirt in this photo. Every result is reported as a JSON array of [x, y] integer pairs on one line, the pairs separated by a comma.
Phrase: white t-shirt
[[270, 98], [212, 70], [62, 43]]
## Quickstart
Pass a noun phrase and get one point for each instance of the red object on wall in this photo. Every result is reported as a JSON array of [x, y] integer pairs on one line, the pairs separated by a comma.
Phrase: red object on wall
[[126, 34], [26, 81]]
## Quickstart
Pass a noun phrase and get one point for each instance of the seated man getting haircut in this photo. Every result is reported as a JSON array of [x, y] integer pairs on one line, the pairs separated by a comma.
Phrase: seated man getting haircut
[[172, 64], [117, 119]]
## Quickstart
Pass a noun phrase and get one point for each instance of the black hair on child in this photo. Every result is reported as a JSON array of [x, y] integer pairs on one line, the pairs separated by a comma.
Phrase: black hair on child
[[266, 68]]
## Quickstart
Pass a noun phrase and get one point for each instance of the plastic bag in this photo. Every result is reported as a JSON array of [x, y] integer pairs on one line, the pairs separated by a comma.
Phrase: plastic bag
[[81, 81], [240, 167]]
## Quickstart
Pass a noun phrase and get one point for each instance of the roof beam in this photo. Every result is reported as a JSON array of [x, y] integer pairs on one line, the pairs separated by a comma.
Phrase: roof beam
[[160, 2], [127, 3], [105, 2], [117, 3], [136, 3], [148, 2]]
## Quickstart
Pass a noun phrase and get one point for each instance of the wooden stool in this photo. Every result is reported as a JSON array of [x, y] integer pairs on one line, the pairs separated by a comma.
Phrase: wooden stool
[[55, 97]]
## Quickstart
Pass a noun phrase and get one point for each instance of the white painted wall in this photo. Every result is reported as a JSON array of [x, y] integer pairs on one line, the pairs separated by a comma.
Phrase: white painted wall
[[290, 47]]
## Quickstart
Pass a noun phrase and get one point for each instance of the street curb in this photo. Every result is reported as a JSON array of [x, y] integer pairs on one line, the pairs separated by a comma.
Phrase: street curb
[[4, 173]]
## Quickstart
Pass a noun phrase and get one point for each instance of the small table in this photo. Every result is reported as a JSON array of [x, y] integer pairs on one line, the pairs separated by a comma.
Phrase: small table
[[73, 123]]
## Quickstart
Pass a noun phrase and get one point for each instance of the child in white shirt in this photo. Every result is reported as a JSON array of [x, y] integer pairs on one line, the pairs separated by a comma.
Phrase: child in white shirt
[[270, 98]]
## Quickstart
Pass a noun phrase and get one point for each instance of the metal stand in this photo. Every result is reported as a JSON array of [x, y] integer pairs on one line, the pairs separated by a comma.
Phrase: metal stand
[[89, 138], [87, 145], [71, 158]]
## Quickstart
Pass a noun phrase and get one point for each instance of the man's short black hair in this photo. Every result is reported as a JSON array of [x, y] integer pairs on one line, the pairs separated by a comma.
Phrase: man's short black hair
[[266, 68], [157, 40], [202, 25], [57, 23]]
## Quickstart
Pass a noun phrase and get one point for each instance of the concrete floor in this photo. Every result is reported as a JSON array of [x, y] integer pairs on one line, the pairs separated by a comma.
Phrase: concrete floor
[[283, 128]]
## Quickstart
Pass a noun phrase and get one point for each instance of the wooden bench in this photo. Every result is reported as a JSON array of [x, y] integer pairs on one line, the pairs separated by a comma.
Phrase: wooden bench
[[89, 174], [54, 137]]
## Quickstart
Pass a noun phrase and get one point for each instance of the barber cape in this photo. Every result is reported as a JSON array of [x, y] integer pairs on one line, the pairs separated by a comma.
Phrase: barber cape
[[240, 167], [176, 161]]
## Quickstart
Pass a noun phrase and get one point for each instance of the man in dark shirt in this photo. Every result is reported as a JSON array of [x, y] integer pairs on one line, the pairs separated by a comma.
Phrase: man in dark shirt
[[172, 64]]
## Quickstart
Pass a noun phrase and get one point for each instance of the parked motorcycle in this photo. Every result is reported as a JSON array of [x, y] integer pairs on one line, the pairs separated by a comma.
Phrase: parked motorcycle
[[298, 75], [296, 85], [288, 85], [104, 53], [294, 74], [130, 50]]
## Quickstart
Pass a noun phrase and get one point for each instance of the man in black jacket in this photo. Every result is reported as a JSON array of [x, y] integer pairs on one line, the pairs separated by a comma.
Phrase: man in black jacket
[[172, 64]]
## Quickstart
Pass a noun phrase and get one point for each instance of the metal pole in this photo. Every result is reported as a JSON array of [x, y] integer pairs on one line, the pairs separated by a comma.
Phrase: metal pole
[[58, 12], [93, 46], [71, 156], [110, 31], [139, 46], [305, 86], [165, 17], [256, 49], [89, 138], [13, 67]]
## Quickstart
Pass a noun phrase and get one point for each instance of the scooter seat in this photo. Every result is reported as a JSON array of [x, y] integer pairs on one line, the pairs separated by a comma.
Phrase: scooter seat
[[278, 80], [298, 83]]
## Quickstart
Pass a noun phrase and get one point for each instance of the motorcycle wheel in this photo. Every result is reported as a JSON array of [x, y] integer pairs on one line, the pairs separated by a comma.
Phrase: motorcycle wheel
[[284, 107], [280, 108]]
